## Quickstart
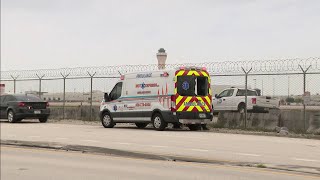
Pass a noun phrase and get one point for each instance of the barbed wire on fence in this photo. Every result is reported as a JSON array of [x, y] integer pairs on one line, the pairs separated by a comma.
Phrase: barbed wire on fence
[[214, 68]]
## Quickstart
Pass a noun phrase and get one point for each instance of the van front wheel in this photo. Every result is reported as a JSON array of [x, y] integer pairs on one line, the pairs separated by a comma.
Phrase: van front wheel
[[107, 121], [158, 123]]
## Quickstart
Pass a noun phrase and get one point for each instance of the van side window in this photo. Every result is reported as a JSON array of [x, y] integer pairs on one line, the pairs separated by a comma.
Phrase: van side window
[[116, 91]]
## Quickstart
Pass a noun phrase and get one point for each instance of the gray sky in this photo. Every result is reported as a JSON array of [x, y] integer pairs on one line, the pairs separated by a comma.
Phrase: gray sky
[[71, 33]]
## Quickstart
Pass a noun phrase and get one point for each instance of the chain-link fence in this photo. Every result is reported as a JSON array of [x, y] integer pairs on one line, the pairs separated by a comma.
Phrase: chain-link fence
[[295, 81]]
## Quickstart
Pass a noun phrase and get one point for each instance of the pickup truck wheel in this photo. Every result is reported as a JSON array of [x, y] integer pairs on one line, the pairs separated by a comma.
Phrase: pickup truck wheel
[[241, 108], [11, 117], [141, 125], [158, 123], [194, 127], [107, 121]]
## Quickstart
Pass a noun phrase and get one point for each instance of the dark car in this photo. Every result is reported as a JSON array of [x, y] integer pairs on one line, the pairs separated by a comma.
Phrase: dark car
[[25, 106]]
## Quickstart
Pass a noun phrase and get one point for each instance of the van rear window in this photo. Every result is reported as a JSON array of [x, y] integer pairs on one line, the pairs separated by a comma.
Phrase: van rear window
[[192, 85]]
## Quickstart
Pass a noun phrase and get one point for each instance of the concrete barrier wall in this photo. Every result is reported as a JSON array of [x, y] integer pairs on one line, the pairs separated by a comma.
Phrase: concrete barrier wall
[[78, 113], [292, 119]]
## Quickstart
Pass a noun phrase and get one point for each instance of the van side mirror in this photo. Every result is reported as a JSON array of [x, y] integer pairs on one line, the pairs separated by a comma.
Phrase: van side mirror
[[106, 97]]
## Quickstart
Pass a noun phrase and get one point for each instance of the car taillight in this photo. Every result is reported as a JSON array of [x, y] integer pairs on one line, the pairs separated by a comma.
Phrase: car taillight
[[47, 104], [173, 103], [254, 100], [21, 104]]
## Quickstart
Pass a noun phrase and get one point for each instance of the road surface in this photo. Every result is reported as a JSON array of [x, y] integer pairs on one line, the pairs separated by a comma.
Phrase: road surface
[[298, 154], [36, 164]]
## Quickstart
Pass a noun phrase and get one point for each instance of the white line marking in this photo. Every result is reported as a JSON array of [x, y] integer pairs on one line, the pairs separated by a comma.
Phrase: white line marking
[[11, 135], [33, 136], [61, 138], [201, 150], [90, 141], [124, 143], [159, 146], [308, 160], [246, 154]]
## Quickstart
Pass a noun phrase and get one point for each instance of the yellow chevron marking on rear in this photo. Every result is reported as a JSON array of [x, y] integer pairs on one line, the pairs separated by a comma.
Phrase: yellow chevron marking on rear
[[190, 73], [196, 73], [199, 108], [208, 99], [180, 73], [181, 108], [188, 99], [190, 108], [179, 99], [205, 74]]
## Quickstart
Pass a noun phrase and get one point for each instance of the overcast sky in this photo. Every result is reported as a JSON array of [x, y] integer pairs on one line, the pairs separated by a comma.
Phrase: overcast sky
[[71, 33]]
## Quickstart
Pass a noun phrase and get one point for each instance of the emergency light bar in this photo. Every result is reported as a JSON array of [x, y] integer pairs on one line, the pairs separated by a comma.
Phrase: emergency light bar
[[193, 68]]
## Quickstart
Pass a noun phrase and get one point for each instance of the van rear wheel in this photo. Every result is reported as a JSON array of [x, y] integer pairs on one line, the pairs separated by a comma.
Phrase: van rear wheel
[[158, 123], [194, 127], [141, 125]]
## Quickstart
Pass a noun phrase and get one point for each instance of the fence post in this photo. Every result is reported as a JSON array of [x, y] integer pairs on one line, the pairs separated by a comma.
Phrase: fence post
[[246, 97], [304, 71], [91, 89], [14, 83], [64, 93], [40, 79]]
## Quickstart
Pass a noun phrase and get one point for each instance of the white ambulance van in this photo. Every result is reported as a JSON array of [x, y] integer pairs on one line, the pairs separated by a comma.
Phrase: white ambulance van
[[181, 96]]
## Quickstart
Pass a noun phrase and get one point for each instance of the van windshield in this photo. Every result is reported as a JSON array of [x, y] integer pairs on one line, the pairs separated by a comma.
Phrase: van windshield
[[192, 86]]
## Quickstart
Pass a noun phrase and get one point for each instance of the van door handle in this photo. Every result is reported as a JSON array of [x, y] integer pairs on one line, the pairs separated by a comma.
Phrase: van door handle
[[223, 99]]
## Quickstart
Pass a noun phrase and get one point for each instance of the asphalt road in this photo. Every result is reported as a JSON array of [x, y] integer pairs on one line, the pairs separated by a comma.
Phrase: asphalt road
[[281, 152], [36, 164]]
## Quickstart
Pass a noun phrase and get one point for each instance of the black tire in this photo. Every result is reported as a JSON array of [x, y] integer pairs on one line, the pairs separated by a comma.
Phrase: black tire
[[107, 121], [194, 127], [43, 120], [241, 108], [141, 125], [11, 117], [158, 123]]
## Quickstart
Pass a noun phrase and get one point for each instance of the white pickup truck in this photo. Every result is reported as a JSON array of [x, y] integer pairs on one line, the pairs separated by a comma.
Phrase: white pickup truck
[[233, 99]]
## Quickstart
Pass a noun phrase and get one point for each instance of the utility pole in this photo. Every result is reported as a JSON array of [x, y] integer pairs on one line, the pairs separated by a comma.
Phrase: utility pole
[[304, 93], [246, 97], [14, 83], [40, 80], [64, 92]]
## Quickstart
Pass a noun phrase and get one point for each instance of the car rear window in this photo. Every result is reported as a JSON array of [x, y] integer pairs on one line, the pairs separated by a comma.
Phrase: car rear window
[[28, 98]]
